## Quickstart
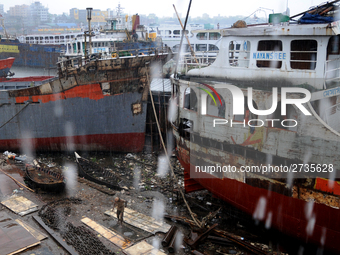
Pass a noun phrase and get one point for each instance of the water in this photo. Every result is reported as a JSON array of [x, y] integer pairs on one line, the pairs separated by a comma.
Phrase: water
[[32, 71]]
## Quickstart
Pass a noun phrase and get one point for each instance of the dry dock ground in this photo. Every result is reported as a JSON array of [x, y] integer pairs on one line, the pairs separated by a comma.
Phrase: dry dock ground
[[150, 191]]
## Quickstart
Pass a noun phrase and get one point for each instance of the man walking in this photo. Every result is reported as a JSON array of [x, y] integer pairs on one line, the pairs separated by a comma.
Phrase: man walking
[[120, 203]]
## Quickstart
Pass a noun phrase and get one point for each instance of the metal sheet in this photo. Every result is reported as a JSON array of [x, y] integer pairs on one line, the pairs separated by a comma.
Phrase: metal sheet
[[13, 237], [34, 232]]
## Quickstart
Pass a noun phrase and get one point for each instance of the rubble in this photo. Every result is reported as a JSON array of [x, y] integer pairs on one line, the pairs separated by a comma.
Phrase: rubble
[[149, 193]]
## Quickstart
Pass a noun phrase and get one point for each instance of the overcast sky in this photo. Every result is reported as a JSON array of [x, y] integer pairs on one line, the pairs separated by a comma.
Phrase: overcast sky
[[165, 7]]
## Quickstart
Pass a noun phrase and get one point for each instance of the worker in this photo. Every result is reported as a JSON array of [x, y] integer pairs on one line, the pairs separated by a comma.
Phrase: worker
[[121, 203]]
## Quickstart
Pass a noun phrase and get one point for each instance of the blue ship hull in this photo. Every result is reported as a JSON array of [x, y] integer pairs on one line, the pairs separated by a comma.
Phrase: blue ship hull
[[31, 55]]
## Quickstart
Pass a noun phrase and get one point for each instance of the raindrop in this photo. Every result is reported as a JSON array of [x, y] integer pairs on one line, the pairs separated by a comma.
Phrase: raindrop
[[269, 159], [172, 110], [156, 244], [290, 177], [309, 209], [178, 241], [163, 166], [136, 176], [331, 178], [170, 143], [69, 131], [260, 210], [70, 174], [27, 144], [310, 226], [158, 209], [58, 108], [269, 220]]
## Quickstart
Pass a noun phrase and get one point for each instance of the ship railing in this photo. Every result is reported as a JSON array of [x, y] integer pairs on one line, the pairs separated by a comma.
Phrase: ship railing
[[332, 72], [201, 59], [66, 63]]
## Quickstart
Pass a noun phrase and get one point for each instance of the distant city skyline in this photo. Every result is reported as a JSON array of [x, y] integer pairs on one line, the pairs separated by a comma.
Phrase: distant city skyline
[[165, 8]]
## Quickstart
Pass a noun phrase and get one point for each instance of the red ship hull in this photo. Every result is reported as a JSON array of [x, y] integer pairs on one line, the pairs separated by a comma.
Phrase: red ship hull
[[289, 215]]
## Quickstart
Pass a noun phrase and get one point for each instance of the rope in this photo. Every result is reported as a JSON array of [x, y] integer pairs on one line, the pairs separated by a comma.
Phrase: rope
[[166, 153], [15, 115]]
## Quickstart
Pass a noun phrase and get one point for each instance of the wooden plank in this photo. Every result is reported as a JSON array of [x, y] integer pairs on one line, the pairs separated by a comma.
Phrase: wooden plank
[[112, 236], [20, 205], [147, 223], [58, 239]]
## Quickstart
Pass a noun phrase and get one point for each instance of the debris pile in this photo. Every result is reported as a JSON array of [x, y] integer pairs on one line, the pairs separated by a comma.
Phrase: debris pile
[[54, 215]]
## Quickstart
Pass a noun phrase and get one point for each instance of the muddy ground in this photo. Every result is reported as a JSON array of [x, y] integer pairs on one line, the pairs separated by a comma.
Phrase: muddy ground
[[148, 188]]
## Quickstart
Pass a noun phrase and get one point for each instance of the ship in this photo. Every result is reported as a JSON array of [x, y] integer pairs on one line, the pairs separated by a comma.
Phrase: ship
[[31, 55], [93, 104], [5, 66], [259, 128], [44, 50]]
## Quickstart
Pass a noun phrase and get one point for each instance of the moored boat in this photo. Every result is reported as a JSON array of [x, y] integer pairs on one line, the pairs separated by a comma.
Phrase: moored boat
[[32, 55], [259, 127], [95, 173], [93, 104], [40, 176]]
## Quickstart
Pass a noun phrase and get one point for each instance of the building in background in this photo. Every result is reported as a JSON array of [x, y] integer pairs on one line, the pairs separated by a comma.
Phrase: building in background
[[2, 10]]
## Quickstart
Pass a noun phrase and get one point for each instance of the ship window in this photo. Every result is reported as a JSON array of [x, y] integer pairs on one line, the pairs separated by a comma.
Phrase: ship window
[[190, 99], [201, 47], [216, 109], [201, 36], [185, 48], [177, 32], [303, 54], [269, 54], [239, 53], [213, 47], [214, 36], [333, 56], [333, 46]]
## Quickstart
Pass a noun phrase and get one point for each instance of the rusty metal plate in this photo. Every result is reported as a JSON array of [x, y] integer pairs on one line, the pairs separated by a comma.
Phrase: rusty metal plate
[[13, 237]]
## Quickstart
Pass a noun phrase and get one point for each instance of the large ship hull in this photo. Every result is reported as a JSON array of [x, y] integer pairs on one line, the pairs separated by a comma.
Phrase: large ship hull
[[310, 222], [299, 202], [99, 106], [31, 55]]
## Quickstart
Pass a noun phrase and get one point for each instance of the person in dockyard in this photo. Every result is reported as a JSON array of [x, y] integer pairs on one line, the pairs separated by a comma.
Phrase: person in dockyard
[[120, 203]]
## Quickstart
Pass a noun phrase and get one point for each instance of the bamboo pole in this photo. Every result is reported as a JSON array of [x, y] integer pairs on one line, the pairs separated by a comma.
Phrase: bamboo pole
[[17, 182], [186, 36]]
